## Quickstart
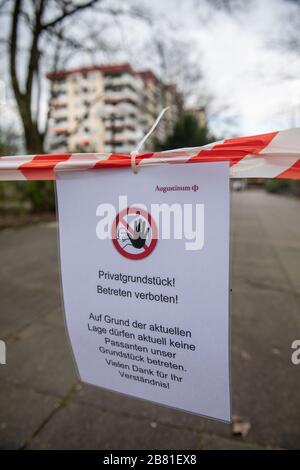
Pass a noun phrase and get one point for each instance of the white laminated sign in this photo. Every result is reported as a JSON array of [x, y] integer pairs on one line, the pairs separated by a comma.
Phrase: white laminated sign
[[145, 277]]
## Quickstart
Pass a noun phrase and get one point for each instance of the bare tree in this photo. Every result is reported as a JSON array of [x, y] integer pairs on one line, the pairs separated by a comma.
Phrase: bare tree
[[33, 17], [42, 34]]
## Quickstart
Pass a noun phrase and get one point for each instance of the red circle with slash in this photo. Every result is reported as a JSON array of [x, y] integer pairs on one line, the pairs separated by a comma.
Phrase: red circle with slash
[[121, 221]]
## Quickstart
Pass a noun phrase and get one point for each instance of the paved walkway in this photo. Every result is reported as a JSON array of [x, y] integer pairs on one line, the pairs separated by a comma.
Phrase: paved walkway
[[42, 405]]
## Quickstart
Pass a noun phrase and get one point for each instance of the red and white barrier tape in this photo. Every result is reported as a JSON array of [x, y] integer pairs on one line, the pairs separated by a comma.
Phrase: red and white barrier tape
[[272, 155]]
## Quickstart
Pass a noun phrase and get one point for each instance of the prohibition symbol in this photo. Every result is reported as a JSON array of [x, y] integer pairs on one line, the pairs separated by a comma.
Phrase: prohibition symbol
[[134, 233]]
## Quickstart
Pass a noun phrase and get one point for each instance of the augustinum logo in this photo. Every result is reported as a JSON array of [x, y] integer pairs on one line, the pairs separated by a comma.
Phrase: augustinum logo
[[176, 187]]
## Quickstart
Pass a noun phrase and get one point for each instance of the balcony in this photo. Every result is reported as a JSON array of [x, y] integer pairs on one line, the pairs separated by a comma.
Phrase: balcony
[[60, 103], [57, 141], [127, 96], [120, 109], [59, 113], [125, 79], [57, 130], [123, 137], [125, 123], [59, 89]]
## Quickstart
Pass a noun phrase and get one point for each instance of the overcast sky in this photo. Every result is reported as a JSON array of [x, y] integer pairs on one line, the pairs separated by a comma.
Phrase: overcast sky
[[247, 67], [246, 63]]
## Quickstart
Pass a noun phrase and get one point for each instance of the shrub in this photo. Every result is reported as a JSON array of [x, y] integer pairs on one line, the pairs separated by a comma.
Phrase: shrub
[[277, 186]]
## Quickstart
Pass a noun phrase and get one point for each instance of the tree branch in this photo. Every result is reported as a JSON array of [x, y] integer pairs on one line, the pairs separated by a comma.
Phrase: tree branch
[[68, 41], [34, 51], [3, 3], [13, 49], [54, 69], [68, 13]]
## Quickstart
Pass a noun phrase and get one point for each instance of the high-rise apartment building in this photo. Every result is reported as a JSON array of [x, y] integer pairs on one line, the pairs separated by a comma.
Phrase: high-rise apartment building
[[107, 108]]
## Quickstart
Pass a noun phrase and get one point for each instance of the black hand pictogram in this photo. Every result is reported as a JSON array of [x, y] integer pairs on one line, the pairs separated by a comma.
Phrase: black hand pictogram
[[138, 238]]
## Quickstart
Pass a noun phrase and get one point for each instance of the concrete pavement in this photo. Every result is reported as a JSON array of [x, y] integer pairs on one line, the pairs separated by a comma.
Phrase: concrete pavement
[[42, 404]]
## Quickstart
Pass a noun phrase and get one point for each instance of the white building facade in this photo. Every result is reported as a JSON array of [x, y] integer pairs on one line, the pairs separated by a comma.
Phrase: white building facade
[[105, 108]]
